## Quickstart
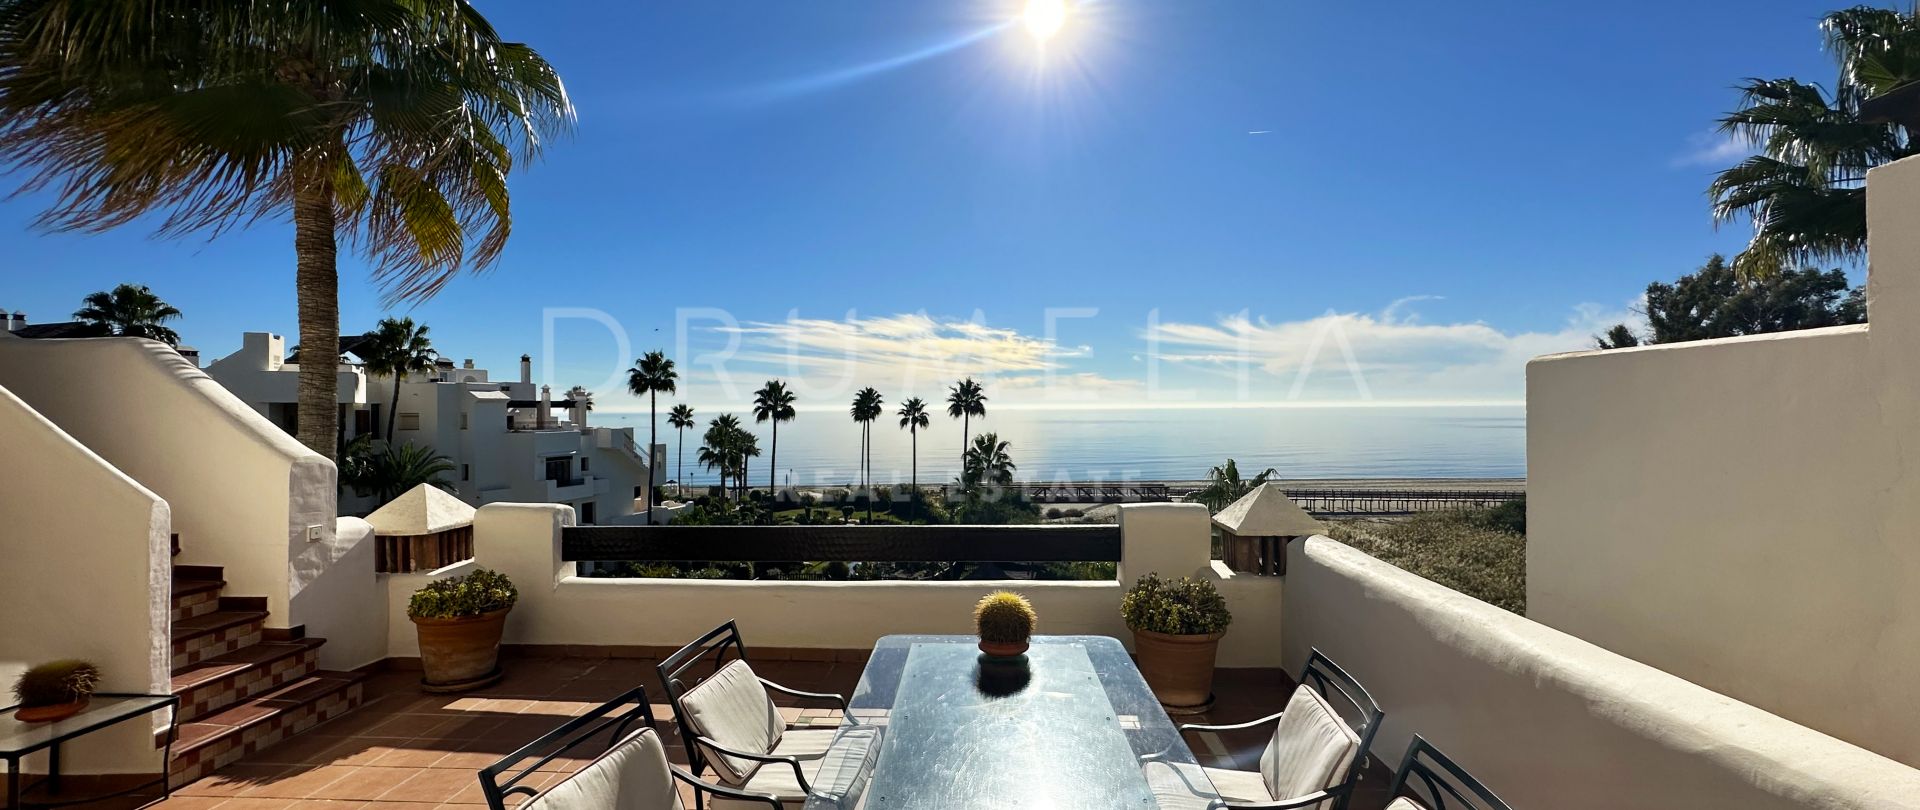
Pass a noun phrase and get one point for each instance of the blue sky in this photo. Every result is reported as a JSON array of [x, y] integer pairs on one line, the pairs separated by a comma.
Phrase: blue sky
[[1437, 191]]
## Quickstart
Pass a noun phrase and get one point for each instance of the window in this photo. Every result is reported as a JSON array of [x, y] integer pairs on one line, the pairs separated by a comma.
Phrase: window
[[466, 472], [559, 469], [586, 512], [409, 421], [463, 420], [583, 464]]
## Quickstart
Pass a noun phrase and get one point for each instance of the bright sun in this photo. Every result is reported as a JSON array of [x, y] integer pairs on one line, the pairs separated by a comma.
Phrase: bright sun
[[1044, 18]]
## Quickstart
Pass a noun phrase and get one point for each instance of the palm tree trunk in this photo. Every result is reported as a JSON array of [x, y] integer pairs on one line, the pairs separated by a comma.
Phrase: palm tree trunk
[[317, 285], [653, 430], [680, 464], [963, 446], [913, 490], [773, 460], [395, 410]]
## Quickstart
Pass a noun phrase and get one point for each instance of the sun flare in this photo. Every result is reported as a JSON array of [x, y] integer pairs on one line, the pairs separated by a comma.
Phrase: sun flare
[[1044, 18]]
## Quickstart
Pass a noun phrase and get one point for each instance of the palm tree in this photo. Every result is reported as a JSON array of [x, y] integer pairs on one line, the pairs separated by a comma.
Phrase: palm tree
[[391, 472], [913, 417], [1224, 486], [681, 418], [718, 446], [773, 402], [865, 408], [1805, 193], [745, 446], [396, 348], [965, 399], [651, 376], [987, 463], [130, 310], [393, 123]]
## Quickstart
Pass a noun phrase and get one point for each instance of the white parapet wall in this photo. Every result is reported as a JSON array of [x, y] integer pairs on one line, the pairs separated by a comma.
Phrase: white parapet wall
[[557, 608], [1551, 721], [244, 494], [83, 574], [1743, 512]]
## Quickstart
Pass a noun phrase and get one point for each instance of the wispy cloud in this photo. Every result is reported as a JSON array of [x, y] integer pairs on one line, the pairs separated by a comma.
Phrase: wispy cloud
[[1391, 355], [1715, 149], [1258, 131]]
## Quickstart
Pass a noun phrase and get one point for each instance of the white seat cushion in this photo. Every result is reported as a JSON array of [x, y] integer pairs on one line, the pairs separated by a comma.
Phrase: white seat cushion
[[1404, 803], [1311, 750], [835, 768], [1239, 786], [731, 707], [1181, 786], [632, 775]]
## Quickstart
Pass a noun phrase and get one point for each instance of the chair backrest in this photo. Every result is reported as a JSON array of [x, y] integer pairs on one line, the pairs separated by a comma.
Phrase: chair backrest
[[600, 731], [633, 775], [692, 665], [1446, 785], [1350, 701]]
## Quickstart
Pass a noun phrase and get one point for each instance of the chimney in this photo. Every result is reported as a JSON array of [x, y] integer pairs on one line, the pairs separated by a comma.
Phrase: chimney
[[526, 368], [579, 413], [546, 404], [17, 322], [467, 363]]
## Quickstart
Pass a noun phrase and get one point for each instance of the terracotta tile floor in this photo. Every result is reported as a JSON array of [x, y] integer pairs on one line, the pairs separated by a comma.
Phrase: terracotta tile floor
[[406, 750]]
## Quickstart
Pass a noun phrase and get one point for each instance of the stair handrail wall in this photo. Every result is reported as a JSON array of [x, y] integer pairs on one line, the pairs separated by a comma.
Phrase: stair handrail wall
[[244, 494], [85, 576]]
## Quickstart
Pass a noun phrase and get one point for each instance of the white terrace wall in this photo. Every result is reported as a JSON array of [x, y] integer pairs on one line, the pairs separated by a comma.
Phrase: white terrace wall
[[557, 608], [1551, 721], [243, 492], [1745, 513], [84, 547]]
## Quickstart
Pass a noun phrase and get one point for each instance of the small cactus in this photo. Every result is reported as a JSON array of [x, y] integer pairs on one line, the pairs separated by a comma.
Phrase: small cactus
[[1004, 617], [56, 682]]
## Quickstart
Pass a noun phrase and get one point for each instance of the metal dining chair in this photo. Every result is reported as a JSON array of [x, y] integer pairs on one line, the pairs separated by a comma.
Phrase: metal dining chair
[[629, 770], [729, 722], [1315, 755], [1443, 785]]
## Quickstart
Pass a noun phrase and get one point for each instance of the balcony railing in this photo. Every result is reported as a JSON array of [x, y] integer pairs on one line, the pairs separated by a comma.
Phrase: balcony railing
[[841, 543]]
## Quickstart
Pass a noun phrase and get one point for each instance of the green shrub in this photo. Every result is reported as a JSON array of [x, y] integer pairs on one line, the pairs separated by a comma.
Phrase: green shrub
[[1507, 517], [1053, 513], [56, 682], [1182, 607], [483, 591], [1073, 513], [1004, 617], [1460, 549]]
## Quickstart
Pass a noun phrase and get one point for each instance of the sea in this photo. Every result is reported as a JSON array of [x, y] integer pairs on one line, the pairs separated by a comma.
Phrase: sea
[[821, 448]]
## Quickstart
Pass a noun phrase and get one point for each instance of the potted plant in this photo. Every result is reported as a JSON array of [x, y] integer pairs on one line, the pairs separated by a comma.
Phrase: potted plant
[[1004, 620], [55, 690], [459, 621], [1177, 625]]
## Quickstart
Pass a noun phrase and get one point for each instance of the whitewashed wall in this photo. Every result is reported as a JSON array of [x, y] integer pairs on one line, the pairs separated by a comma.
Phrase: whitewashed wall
[[1551, 721], [72, 518], [243, 492], [557, 608], [1742, 513]]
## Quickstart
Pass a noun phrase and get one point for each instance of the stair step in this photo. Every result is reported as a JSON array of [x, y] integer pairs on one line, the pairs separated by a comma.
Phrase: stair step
[[199, 572], [258, 723], [195, 597], [205, 636], [223, 680]]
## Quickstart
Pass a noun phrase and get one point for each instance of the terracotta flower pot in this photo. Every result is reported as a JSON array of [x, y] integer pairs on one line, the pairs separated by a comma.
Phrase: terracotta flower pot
[[1179, 669], [461, 654], [50, 713], [1003, 649]]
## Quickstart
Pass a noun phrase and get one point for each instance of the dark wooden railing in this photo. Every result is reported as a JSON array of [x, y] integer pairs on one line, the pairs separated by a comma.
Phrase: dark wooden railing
[[406, 554], [1339, 502], [1263, 556], [1099, 543]]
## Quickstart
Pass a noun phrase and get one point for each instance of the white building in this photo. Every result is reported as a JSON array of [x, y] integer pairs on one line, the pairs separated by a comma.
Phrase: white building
[[508, 441]]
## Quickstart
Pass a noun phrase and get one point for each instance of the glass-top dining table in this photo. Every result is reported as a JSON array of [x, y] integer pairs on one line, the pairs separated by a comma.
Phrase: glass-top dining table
[[1070, 725]]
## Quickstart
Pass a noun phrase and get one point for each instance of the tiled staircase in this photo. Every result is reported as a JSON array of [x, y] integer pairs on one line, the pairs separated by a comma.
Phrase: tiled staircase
[[242, 687]]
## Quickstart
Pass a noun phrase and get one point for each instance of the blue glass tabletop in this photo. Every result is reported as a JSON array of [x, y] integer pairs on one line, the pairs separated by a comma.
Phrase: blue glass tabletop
[[1069, 725]]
